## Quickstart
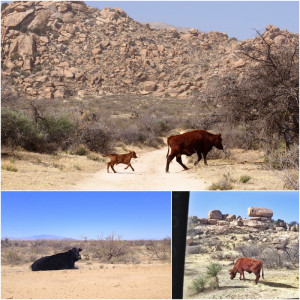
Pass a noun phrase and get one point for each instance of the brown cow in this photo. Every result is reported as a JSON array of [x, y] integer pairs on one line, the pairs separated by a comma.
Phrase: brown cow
[[196, 141], [249, 265], [120, 159]]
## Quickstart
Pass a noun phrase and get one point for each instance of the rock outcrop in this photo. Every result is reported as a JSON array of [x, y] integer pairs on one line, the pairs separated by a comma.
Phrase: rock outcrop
[[260, 212], [93, 51]]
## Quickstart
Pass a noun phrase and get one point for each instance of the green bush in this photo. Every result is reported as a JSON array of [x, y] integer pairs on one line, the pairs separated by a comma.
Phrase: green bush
[[81, 150], [57, 129], [47, 134], [18, 130], [244, 178], [197, 285]]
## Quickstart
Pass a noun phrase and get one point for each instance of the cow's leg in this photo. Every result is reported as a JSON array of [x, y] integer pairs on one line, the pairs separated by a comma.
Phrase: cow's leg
[[130, 167], [243, 274], [108, 167], [199, 158], [204, 157], [169, 159], [257, 278], [112, 167], [178, 159]]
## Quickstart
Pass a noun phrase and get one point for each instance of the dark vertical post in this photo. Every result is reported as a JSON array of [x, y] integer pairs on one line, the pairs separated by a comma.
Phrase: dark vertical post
[[180, 205]]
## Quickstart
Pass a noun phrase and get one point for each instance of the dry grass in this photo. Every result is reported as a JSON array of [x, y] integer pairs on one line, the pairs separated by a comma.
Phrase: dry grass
[[242, 163], [94, 251], [37, 171], [278, 284]]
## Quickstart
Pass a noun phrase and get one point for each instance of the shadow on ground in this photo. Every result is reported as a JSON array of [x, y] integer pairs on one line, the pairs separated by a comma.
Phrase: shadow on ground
[[277, 284]]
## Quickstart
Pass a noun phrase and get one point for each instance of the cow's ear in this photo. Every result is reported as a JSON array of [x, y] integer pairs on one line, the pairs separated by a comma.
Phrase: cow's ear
[[219, 134], [79, 249]]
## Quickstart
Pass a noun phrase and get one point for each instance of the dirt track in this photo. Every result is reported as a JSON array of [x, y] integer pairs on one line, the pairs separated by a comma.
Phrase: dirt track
[[88, 282], [149, 175]]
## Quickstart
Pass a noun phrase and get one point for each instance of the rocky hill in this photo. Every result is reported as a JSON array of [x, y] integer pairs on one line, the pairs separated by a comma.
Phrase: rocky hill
[[218, 223], [56, 49]]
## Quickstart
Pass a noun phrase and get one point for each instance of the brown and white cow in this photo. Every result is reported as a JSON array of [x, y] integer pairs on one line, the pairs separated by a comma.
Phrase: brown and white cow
[[120, 159], [188, 143], [249, 265]]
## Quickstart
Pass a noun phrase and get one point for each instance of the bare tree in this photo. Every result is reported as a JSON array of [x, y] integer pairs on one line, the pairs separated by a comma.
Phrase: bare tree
[[263, 97]]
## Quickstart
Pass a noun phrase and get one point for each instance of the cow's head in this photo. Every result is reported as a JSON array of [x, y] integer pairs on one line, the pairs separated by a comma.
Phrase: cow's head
[[232, 274], [218, 141], [75, 253], [133, 154]]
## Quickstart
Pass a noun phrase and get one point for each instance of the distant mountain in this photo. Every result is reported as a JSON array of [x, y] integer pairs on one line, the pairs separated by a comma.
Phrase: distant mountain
[[41, 237], [161, 25]]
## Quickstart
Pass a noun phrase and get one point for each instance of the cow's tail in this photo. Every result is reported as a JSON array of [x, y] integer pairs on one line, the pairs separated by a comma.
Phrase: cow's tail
[[168, 140], [105, 155], [262, 271]]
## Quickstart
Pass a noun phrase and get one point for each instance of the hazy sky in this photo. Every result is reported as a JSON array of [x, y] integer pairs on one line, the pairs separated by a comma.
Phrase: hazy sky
[[236, 18], [285, 205], [133, 215]]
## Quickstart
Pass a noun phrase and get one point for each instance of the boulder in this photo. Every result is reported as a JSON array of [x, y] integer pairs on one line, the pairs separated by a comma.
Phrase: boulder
[[259, 212], [222, 223], [222, 230], [215, 214], [279, 229], [255, 224], [150, 86], [237, 223], [202, 220], [230, 217], [15, 19], [212, 221]]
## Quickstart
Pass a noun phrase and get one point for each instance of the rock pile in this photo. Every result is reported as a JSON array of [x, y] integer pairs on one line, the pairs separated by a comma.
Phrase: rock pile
[[260, 219], [55, 49]]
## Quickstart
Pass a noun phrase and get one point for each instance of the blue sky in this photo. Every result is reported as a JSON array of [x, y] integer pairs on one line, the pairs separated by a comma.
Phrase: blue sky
[[236, 18], [133, 215], [285, 205]]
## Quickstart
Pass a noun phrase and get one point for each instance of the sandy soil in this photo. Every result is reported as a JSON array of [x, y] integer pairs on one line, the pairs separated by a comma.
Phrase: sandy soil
[[94, 281], [36, 171], [149, 175], [278, 283]]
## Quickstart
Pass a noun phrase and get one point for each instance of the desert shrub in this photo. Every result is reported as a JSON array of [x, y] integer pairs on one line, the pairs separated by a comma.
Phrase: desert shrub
[[252, 251], [55, 36], [195, 249], [15, 56], [18, 130], [110, 249], [45, 134], [197, 285], [9, 167], [57, 130], [96, 138], [212, 271], [81, 150], [159, 250], [12, 258], [245, 178], [223, 184], [286, 161]]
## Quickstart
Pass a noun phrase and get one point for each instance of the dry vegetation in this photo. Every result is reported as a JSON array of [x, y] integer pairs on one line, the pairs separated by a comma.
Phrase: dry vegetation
[[108, 250], [110, 268], [279, 252], [133, 122]]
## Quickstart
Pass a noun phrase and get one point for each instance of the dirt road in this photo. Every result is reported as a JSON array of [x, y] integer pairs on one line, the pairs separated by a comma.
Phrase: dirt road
[[149, 175], [88, 282]]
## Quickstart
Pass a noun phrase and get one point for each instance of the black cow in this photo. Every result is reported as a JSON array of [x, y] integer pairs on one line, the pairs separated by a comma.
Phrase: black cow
[[58, 261]]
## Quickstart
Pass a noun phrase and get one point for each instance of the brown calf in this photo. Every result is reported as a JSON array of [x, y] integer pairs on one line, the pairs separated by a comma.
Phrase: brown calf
[[249, 265], [120, 159]]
